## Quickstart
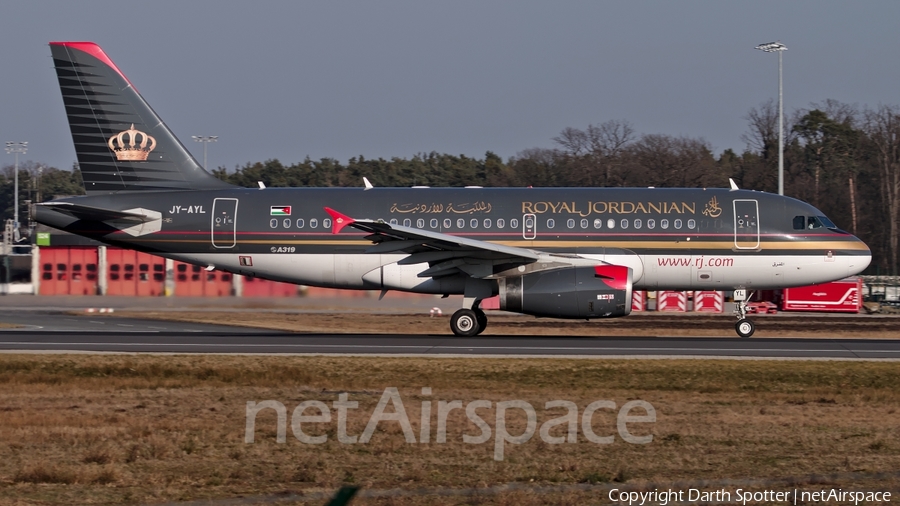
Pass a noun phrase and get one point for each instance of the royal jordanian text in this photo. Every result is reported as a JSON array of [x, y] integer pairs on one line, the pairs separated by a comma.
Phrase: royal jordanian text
[[624, 207]]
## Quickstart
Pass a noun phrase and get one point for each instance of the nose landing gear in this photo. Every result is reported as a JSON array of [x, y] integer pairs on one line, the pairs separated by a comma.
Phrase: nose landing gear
[[743, 327]]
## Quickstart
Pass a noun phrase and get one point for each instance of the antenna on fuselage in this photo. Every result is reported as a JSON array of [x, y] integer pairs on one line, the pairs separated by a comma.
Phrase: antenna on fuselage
[[734, 185]]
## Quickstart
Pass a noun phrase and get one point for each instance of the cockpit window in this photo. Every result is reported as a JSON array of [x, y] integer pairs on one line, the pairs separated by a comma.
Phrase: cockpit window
[[828, 223], [813, 222]]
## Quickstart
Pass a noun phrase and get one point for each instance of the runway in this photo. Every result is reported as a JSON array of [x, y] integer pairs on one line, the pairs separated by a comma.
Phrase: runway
[[49, 331]]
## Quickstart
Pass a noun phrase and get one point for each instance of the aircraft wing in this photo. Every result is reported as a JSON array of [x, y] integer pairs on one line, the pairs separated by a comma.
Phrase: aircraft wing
[[446, 254]]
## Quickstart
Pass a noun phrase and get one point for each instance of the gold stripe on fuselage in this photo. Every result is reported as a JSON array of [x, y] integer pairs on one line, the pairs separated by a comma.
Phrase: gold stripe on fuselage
[[632, 245]]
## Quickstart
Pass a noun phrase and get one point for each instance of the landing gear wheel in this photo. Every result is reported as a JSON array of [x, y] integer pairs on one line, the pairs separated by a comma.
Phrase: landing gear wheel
[[481, 318], [745, 328], [464, 323]]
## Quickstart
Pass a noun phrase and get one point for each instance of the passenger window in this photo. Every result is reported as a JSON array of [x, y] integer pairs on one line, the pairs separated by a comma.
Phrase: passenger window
[[473, 223], [448, 223], [584, 223], [610, 223], [287, 223], [326, 223], [570, 223], [551, 223], [393, 221], [460, 223], [624, 223], [500, 223], [678, 224], [487, 223], [313, 223], [598, 223], [663, 224], [300, 223], [638, 223], [273, 223], [407, 222], [651, 223], [420, 223], [799, 221], [514, 223], [692, 224], [434, 223]]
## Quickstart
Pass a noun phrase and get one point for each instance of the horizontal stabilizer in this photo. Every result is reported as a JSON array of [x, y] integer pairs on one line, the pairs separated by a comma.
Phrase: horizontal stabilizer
[[90, 213]]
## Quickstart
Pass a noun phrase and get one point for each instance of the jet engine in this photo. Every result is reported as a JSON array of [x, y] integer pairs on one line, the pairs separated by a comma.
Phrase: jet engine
[[601, 291]]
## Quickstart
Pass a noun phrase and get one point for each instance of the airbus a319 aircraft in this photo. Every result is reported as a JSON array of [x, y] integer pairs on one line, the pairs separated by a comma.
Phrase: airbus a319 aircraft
[[548, 252]]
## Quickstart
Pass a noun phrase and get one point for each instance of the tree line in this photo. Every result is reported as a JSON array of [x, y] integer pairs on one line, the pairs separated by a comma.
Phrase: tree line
[[838, 157]]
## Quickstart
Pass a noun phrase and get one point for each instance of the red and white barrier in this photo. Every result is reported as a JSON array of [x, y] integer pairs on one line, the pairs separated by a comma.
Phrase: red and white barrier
[[638, 300], [709, 302], [671, 301]]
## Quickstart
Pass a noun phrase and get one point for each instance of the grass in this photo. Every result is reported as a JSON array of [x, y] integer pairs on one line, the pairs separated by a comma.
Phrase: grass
[[147, 428]]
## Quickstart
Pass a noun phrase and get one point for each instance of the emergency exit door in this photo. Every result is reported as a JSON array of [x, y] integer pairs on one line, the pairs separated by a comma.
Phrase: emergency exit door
[[529, 226], [224, 223]]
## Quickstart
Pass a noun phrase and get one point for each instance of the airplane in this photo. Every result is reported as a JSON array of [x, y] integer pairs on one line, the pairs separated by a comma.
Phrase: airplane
[[549, 252]]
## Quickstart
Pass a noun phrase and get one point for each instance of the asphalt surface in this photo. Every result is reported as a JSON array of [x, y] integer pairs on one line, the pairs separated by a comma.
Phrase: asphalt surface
[[47, 330]]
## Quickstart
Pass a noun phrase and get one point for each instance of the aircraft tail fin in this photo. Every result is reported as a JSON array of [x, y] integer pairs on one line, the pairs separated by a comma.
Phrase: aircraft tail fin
[[121, 144]]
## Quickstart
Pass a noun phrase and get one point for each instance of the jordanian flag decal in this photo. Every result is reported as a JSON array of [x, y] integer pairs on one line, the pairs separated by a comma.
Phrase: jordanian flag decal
[[280, 210]]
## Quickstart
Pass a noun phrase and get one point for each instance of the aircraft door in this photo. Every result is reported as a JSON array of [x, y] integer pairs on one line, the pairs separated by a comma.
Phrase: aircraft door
[[746, 224], [529, 226], [224, 223]]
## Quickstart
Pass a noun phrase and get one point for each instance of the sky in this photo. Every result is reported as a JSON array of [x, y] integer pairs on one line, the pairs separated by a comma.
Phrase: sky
[[338, 79]]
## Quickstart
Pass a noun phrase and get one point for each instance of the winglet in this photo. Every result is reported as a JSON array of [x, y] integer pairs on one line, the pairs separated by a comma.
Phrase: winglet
[[367, 183], [339, 221], [734, 185]]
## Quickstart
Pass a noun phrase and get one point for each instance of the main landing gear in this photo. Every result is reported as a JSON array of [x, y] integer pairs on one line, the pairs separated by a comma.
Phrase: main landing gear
[[468, 322], [744, 327]]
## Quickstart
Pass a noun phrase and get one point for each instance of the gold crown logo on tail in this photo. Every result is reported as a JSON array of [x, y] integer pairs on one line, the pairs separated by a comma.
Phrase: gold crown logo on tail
[[132, 152]]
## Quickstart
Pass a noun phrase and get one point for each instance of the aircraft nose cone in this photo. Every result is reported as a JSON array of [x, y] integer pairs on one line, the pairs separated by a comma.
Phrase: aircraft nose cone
[[859, 262]]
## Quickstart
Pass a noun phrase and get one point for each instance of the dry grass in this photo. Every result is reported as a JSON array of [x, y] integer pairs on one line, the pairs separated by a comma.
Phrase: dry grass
[[124, 428]]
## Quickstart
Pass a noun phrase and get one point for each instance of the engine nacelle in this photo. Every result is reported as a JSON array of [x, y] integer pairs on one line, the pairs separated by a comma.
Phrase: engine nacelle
[[601, 291]]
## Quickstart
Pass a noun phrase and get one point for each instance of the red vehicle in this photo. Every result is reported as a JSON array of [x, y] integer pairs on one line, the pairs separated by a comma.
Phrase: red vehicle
[[844, 296], [761, 307]]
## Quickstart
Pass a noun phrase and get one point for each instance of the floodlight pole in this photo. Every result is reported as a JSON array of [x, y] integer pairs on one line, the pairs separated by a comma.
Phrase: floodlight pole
[[205, 139], [16, 148], [778, 47]]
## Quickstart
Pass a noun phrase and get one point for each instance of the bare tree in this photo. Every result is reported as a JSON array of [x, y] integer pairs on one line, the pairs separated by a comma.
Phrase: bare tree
[[763, 134], [882, 125], [573, 141], [597, 149], [663, 160]]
